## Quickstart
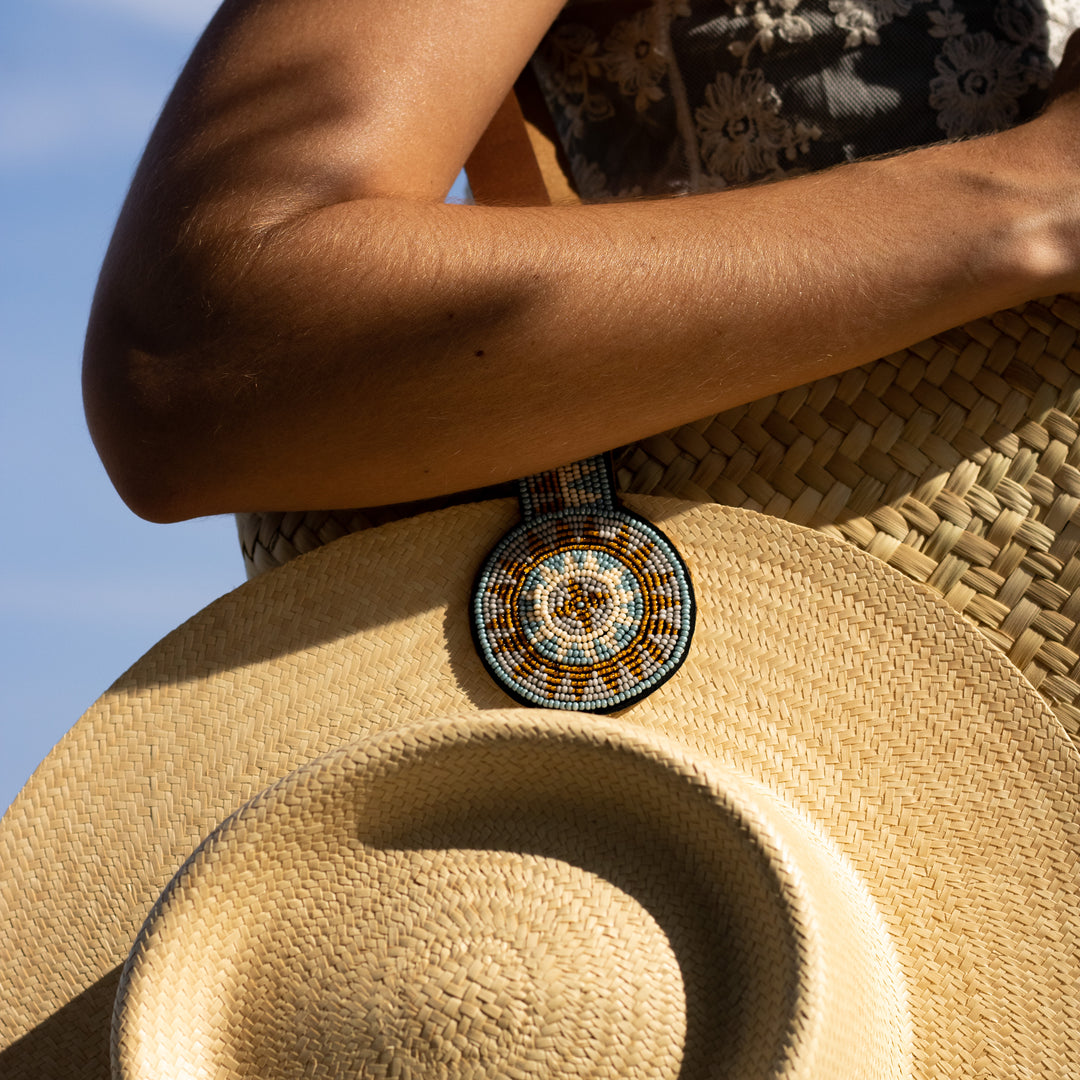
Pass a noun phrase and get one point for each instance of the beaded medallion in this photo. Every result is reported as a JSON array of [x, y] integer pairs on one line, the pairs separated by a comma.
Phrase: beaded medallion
[[584, 605]]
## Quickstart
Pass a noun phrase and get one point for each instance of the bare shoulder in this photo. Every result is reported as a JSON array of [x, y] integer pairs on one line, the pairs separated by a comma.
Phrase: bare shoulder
[[360, 97], [286, 109]]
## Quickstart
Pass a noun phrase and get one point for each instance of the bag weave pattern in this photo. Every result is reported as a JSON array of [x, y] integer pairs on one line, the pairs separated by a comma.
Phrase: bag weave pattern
[[956, 461]]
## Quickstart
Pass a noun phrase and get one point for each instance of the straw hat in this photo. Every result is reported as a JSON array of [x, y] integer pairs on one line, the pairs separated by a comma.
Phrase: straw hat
[[841, 841]]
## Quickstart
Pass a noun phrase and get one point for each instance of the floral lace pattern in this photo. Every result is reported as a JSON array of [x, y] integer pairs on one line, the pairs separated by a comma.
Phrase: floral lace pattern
[[665, 96], [741, 132]]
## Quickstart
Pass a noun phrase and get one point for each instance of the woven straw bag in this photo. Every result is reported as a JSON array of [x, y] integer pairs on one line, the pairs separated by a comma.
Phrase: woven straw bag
[[957, 460]]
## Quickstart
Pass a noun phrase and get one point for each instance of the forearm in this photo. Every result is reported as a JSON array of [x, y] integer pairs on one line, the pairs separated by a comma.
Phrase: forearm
[[381, 350]]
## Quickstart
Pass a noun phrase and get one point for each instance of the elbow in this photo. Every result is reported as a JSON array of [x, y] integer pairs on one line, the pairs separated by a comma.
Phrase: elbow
[[150, 470], [169, 363], [157, 494], [150, 437]]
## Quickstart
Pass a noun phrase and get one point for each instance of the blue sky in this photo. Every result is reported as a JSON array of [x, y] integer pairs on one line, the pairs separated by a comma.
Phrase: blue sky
[[85, 587]]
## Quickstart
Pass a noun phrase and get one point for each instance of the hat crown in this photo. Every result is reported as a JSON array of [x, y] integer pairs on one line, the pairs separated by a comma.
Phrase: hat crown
[[514, 895]]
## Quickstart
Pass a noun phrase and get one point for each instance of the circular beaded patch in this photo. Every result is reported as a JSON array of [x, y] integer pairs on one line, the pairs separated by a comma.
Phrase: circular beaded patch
[[587, 609]]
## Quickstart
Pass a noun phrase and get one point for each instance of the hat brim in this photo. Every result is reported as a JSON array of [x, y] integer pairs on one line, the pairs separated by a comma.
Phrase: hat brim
[[521, 893], [829, 678]]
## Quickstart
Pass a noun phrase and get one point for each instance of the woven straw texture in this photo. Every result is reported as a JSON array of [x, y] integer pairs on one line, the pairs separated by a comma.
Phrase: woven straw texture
[[513, 896], [829, 679], [956, 461]]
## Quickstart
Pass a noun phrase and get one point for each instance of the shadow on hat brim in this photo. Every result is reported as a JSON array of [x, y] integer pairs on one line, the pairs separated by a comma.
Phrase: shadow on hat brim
[[547, 894], [826, 676], [73, 1041]]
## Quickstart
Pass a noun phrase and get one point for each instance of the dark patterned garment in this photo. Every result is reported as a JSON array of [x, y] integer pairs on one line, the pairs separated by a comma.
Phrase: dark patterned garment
[[670, 96]]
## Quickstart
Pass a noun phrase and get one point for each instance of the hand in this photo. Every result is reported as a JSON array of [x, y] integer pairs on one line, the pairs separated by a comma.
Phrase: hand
[[1067, 76], [1065, 103], [1045, 154]]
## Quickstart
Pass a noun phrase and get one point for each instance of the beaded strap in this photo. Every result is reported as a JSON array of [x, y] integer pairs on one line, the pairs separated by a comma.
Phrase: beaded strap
[[583, 605]]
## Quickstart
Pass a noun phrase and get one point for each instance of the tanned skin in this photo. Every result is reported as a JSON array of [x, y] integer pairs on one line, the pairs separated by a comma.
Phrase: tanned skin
[[289, 316]]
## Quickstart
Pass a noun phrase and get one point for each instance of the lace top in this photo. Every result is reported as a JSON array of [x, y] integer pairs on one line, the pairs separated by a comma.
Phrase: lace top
[[671, 96]]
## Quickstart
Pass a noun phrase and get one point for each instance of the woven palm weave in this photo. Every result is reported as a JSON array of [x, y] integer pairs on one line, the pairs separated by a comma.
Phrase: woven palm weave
[[957, 461]]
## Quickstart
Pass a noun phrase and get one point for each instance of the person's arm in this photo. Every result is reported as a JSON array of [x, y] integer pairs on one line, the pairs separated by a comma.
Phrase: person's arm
[[289, 317]]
